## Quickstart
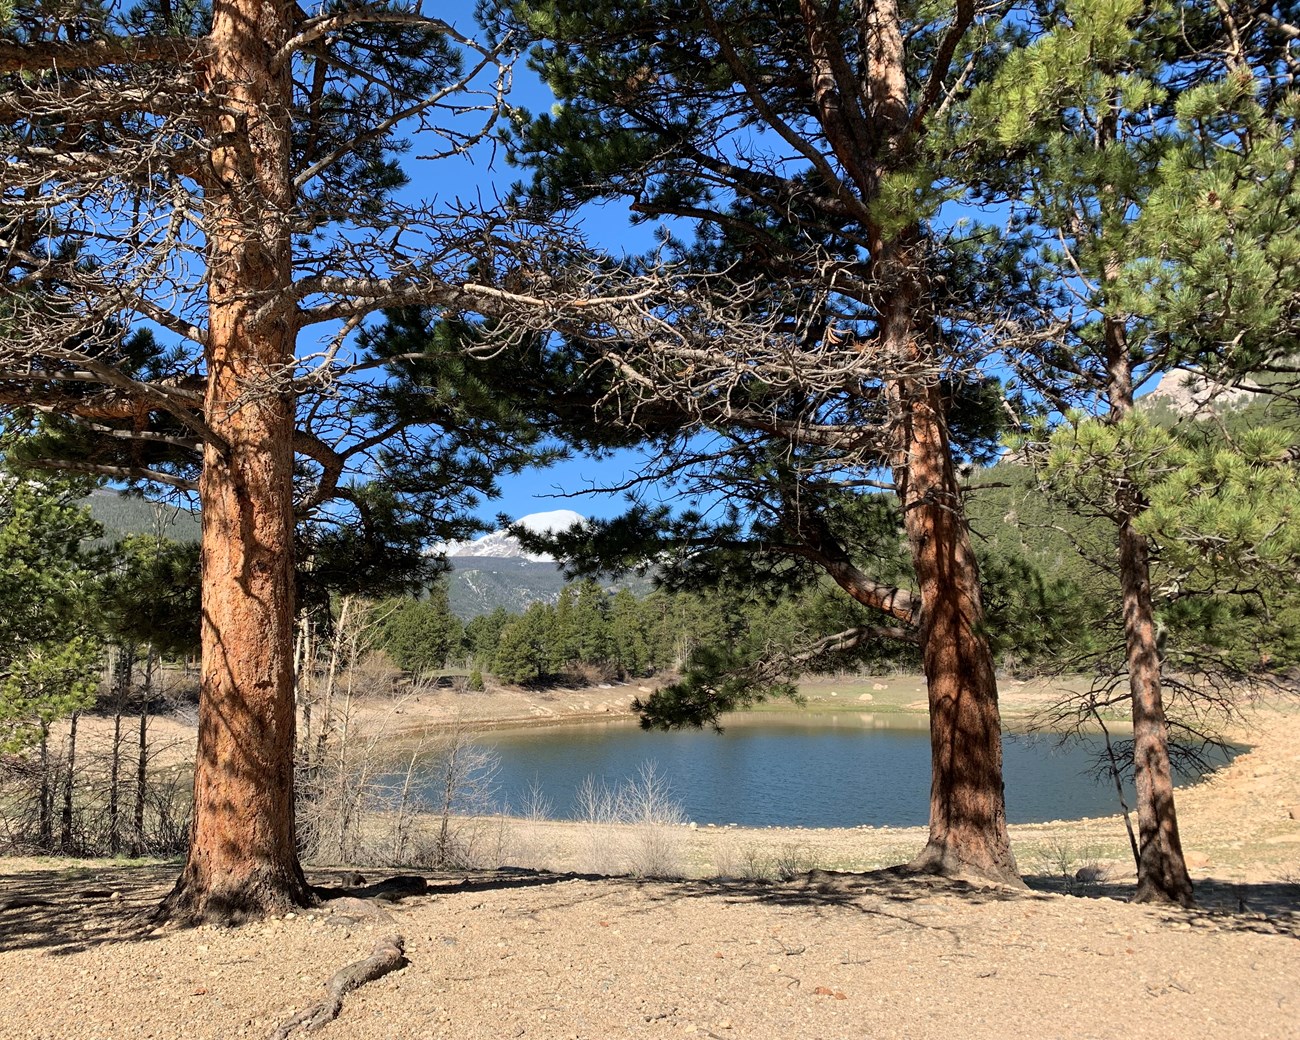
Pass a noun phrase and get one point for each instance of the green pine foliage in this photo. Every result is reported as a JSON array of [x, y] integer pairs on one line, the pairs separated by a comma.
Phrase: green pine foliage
[[421, 635], [149, 594], [524, 652], [483, 634], [49, 652]]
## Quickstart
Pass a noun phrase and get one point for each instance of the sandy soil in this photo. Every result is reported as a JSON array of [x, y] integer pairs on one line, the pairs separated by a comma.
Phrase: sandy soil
[[518, 953]]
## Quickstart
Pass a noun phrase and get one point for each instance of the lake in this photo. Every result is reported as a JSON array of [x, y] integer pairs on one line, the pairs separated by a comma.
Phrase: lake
[[843, 769]]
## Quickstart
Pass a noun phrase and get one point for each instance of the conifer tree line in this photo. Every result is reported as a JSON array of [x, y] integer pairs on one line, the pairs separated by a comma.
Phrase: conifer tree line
[[87, 630], [892, 239], [590, 634]]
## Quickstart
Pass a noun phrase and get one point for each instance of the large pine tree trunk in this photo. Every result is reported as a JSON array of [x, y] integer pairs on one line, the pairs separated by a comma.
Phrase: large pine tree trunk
[[968, 818], [968, 822], [242, 859]]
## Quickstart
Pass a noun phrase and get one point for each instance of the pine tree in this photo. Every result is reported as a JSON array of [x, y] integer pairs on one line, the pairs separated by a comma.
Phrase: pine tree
[[524, 650], [591, 624], [1096, 110], [422, 635], [49, 650], [630, 628], [191, 194], [823, 232]]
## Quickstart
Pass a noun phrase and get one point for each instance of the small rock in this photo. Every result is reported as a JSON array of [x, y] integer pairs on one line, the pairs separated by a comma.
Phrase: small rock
[[878, 686], [866, 697], [1294, 812]]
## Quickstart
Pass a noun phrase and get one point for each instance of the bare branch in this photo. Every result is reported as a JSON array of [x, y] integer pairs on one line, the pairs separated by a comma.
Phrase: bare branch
[[35, 57]]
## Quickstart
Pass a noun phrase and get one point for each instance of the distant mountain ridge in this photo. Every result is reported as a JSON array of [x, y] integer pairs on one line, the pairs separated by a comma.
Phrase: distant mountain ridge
[[486, 573], [124, 515], [495, 571]]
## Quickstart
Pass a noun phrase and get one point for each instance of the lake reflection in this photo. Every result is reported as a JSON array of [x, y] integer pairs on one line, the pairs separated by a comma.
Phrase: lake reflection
[[833, 770]]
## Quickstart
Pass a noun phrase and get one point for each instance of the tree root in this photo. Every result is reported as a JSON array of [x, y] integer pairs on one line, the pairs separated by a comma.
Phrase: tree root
[[387, 956]]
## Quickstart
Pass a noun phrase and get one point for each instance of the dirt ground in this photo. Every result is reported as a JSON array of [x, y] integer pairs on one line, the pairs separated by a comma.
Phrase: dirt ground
[[873, 954]]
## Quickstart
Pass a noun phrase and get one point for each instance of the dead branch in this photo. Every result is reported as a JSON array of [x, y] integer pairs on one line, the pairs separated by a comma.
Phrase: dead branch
[[33, 57]]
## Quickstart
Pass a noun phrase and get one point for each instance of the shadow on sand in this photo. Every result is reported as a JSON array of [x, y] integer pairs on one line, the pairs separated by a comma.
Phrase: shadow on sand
[[69, 909]]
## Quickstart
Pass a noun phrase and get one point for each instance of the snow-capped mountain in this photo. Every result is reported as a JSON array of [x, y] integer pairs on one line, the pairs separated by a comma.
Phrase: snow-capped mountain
[[500, 545]]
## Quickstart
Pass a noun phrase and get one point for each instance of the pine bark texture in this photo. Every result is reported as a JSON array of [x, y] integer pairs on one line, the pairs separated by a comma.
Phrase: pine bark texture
[[1161, 868], [1162, 871], [968, 818], [242, 861], [968, 825]]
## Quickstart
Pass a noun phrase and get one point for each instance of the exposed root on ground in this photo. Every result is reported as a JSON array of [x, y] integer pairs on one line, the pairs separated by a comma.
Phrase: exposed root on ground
[[390, 890], [350, 905], [387, 956]]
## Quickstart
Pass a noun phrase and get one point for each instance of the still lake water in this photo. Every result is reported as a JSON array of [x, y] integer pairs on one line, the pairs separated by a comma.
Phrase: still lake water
[[836, 770]]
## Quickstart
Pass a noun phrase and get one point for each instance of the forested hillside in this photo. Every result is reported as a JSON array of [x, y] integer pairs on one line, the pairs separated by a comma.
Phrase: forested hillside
[[123, 515]]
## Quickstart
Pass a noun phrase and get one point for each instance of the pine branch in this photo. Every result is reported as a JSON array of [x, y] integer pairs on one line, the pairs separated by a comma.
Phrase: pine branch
[[37, 57], [114, 472]]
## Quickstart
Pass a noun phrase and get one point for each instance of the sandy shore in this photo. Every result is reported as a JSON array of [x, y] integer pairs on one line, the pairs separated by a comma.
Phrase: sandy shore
[[519, 953]]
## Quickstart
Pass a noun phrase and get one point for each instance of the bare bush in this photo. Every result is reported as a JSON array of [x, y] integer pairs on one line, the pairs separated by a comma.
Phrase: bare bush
[[54, 801], [465, 772], [594, 805], [634, 829], [379, 798]]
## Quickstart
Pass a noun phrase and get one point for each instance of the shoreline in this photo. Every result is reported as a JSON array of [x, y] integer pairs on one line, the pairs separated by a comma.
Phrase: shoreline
[[1234, 822]]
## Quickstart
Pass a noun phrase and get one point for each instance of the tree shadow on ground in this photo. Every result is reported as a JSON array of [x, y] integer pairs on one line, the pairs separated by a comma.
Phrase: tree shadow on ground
[[892, 893], [68, 909], [333, 882], [1271, 908], [1266, 908]]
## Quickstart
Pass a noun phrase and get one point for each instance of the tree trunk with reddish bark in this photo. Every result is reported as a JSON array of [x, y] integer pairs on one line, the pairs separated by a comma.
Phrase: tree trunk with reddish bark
[[968, 817], [968, 823], [1162, 872], [242, 861]]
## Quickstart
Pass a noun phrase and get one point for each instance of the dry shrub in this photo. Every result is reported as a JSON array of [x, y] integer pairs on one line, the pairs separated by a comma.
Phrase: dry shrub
[[635, 829], [92, 810], [426, 802]]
